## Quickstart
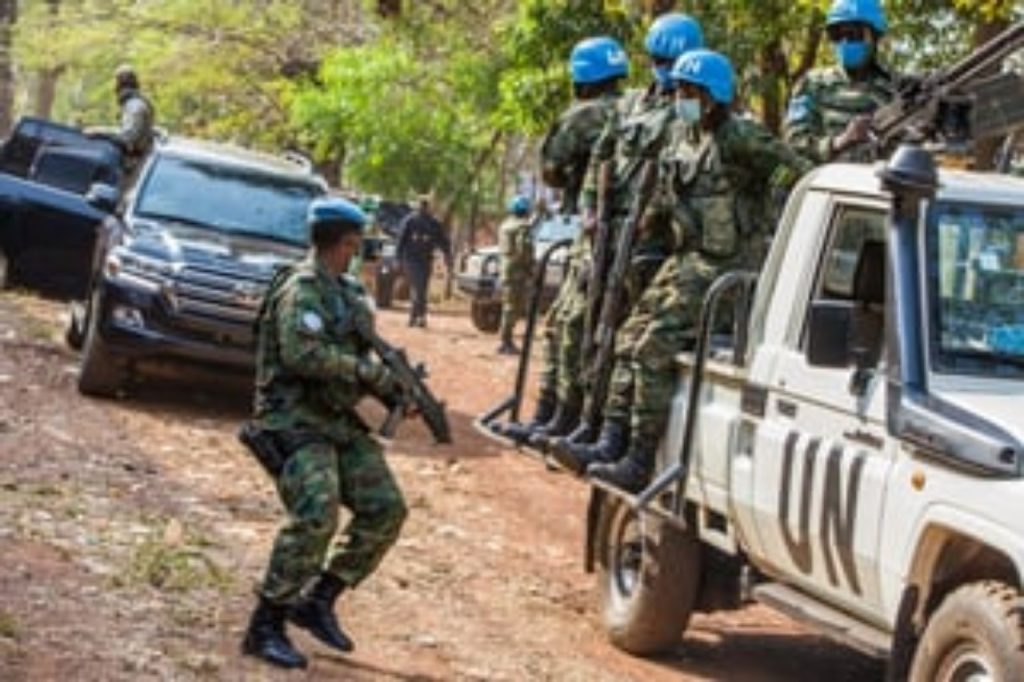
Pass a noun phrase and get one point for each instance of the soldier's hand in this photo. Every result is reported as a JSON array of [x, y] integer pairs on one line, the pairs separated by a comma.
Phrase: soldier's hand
[[857, 131], [377, 377]]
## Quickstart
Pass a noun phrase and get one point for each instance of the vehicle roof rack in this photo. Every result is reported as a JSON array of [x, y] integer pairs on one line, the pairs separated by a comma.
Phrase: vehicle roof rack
[[299, 159]]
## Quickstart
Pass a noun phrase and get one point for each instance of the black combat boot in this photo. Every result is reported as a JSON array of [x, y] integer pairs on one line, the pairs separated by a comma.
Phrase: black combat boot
[[315, 613], [562, 423], [266, 639], [610, 446], [520, 433], [632, 472]]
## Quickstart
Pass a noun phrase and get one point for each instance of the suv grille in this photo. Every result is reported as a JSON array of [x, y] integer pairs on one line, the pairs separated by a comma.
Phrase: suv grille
[[222, 294]]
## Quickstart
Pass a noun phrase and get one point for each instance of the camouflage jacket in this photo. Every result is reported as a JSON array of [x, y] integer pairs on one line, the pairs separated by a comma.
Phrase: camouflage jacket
[[515, 244], [137, 120], [721, 186], [823, 104], [565, 151], [308, 352]]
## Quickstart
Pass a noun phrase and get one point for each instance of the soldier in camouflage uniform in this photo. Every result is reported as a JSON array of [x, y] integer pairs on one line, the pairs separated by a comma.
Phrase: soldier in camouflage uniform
[[635, 134], [714, 176], [597, 66], [135, 135], [829, 116], [312, 369], [515, 243]]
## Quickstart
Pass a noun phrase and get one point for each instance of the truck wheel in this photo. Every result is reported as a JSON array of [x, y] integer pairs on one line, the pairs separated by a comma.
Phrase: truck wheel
[[649, 574], [99, 374], [486, 316], [385, 290], [977, 633], [5, 273]]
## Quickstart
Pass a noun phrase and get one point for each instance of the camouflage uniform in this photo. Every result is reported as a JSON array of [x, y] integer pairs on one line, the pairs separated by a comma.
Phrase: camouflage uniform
[[825, 102], [136, 131], [307, 385], [565, 157], [515, 243], [720, 210]]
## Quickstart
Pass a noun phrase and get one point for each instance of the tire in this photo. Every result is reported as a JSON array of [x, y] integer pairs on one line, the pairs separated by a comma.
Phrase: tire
[[5, 272], [977, 633], [385, 290], [648, 592], [486, 316], [99, 374]]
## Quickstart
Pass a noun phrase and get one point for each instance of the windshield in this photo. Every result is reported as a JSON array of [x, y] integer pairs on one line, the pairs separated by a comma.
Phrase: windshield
[[976, 262], [557, 229], [227, 198]]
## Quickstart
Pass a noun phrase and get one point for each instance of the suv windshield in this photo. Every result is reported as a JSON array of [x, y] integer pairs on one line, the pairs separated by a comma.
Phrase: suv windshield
[[976, 277], [228, 198]]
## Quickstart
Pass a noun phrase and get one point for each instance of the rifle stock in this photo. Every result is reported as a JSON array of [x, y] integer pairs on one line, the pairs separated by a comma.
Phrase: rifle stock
[[599, 265], [613, 301]]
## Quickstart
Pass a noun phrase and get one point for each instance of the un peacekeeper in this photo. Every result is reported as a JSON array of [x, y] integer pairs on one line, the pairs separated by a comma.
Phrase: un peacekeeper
[[597, 67], [515, 244], [311, 371], [717, 170], [135, 134], [829, 115], [421, 234], [635, 134]]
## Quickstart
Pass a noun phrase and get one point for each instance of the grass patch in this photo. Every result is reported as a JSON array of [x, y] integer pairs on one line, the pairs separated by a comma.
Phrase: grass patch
[[171, 568], [8, 626]]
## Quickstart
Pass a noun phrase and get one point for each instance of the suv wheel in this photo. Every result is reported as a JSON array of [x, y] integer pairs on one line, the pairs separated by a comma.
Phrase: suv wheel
[[5, 275], [977, 633], [78, 314], [486, 316], [100, 374], [649, 575]]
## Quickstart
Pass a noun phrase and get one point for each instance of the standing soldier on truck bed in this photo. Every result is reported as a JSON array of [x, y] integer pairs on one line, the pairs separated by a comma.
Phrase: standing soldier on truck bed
[[720, 166], [515, 242], [829, 117], [597, 66], [634, 136]]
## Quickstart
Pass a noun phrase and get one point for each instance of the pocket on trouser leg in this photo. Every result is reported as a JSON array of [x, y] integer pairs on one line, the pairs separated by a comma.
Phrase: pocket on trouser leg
[[718, 233]]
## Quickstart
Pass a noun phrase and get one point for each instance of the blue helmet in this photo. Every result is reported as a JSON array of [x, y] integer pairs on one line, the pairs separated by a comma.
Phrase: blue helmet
[[334, 210], [673, 34], [519, 205], [868, 12], [597, 59], [710, 70]]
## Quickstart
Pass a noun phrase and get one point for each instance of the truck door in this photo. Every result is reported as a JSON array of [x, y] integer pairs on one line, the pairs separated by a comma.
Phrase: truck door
[[821, 458]]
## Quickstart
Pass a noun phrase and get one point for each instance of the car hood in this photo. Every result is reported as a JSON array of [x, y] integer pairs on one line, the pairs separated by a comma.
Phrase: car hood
[[996, 401], [188, 245]]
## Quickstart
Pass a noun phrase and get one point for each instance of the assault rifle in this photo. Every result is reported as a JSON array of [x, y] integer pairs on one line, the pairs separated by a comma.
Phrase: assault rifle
[[614, 293], [414, 393], [599, 266], [958, 104]]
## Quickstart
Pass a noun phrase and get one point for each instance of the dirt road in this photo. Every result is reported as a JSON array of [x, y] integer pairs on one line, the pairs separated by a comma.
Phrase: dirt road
[[133, 531]]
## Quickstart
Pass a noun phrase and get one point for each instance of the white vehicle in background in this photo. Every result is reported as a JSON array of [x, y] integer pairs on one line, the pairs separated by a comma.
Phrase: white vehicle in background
[[853, 454], [480, 275]]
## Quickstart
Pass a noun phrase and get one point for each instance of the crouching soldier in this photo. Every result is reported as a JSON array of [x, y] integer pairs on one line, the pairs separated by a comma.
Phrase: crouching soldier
[[312, 369]]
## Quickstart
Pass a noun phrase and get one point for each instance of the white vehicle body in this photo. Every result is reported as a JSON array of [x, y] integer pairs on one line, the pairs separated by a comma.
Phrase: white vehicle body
[[796, 469]]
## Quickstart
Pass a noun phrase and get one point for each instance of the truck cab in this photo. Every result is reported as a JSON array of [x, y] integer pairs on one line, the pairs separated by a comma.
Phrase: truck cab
[[853, 454]]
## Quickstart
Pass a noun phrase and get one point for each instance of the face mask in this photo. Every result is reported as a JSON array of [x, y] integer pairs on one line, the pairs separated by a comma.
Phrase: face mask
[[663, 74], [852, 54], [688, 110]]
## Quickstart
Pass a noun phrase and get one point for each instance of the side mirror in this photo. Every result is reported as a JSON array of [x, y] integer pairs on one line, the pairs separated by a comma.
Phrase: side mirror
[[830, 334], [103, 196]]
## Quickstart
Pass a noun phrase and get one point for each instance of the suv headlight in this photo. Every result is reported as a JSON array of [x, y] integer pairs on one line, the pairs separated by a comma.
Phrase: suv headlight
[[145, 270]]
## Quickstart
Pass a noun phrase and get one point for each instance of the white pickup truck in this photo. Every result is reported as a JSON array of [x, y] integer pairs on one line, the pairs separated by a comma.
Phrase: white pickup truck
[[853, 455]]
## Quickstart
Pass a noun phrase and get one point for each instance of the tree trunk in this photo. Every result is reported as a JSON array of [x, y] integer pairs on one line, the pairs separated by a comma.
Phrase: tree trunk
[[986, 151], [46, 92], [389, 9], [773, 71], [8, 15]]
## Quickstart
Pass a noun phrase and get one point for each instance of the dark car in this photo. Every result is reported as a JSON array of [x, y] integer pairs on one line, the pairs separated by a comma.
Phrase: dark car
[[56, 186], [388, 283], [180, 273]]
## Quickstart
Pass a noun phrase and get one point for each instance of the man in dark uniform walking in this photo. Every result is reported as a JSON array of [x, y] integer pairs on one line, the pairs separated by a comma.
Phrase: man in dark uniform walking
[[421, 234]]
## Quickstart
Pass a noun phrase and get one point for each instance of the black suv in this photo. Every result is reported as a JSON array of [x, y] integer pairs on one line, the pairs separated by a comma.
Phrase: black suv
[[179, 273]]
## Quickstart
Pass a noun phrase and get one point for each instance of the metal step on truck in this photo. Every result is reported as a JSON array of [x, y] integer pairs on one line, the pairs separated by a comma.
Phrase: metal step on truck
[[853, 455]]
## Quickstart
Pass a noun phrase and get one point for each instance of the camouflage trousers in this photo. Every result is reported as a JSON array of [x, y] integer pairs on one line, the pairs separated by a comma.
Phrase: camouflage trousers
[[515, 299], [663, 323], [562, 364], [316, 480]]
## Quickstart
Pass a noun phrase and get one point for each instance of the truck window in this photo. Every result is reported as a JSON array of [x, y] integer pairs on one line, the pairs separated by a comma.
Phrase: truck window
[[852, 227], [976, 277]]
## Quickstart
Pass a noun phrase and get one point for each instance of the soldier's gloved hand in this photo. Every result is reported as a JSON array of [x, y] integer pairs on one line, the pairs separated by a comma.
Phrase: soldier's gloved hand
[[857, 131], [377, 377]]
